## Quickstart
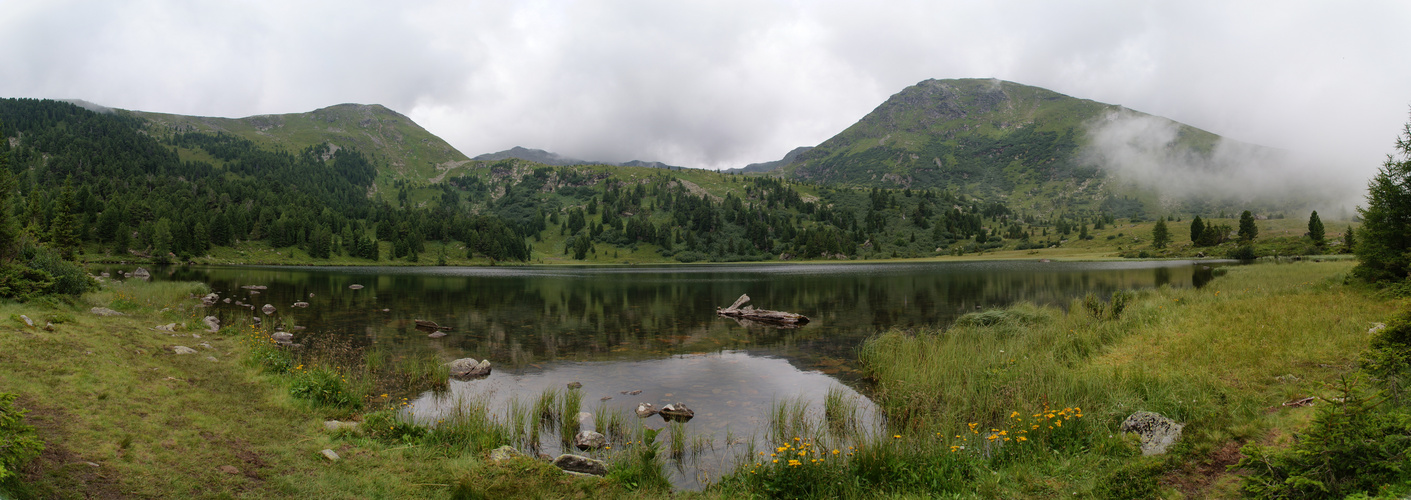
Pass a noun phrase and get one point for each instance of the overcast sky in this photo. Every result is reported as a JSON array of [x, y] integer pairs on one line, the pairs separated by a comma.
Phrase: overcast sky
[[719, 84]]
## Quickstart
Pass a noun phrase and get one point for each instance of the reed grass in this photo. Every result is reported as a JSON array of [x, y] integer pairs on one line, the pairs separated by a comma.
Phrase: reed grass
[[958, 400], [572, 402]]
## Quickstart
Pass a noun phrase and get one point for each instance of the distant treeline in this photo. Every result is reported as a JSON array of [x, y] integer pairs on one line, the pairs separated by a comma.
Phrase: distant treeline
[[112, 183]]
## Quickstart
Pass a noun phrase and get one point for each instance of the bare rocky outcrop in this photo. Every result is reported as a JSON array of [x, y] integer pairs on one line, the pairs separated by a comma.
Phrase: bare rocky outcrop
[[1158, 433]]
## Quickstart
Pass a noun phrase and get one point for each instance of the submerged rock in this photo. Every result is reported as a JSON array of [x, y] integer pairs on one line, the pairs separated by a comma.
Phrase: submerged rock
[[355, 287], [467, 368], [436, 335], [581, 464], [677, 412], [141, 273], [589, 440], [1158, 433], [575, 385]]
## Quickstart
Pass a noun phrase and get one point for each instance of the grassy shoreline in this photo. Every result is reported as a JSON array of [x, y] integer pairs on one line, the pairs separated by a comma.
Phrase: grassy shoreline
[[122, 415]]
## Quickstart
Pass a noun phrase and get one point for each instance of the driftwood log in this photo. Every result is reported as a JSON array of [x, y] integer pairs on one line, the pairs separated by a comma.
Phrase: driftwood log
[[429, 326], [740, 311]]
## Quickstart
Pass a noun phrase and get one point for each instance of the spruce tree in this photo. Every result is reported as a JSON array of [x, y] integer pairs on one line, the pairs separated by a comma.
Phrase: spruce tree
[[63, 230], [1384, 245], [1159, 235], [1197, 229], [1315, 229], [1248, 230], [9, 233]]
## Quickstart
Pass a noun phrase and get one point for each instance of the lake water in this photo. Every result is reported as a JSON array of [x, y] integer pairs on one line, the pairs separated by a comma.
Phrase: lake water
[[654, 329]]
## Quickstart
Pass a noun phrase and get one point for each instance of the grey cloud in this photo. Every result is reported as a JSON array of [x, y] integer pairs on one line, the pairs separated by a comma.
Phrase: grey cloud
[[722, 84]]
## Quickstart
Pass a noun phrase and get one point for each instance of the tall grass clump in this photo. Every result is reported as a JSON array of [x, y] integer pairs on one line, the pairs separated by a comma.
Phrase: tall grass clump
[[18, 442], [469, 427], [572, 404]]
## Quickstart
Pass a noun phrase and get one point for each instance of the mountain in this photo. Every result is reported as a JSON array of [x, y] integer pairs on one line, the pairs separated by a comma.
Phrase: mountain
[[769, 166], [407, 151], [548, 158], [534, 155], [1044, 151]]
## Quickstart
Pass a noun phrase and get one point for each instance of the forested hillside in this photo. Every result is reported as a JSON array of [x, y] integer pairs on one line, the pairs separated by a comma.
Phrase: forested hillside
[[114, 187]]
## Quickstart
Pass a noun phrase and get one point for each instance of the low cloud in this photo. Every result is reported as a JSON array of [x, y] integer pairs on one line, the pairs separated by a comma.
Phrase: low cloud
[[1192, 169]]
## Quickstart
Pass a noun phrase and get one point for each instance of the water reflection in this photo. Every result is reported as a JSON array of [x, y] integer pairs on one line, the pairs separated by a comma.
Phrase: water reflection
[[655, 329]]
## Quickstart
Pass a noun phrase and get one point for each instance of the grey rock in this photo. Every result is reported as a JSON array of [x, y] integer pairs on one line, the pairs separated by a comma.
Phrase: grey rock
[[436, 335], [226, 300], [467, 368], [355, 287], [301, 304], [28, 322], [645, 410], [181, 349], [336, 425], [141, 273], [579, 463], [504, 453], [48, 327], [1158, 433], [210, 299], [207, 345], [331, 455], [211, 358], [282, 337], [169, 327], [268, 309], [589, 440], [103, 311], [677, 411], [212, 324], [1377, 327], [575, 385]]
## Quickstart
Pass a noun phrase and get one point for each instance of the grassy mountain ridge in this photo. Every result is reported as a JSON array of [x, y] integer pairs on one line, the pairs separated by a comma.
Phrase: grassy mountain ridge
[[405, 150], [984, 137]]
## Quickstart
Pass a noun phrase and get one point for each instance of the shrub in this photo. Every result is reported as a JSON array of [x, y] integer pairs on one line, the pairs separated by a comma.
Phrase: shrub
[[18, 443], [1355, 445], [69, 278], [323, 387]]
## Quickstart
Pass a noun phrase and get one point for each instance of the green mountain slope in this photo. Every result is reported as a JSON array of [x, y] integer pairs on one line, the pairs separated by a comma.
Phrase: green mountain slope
[[987, 138], [401, 148]]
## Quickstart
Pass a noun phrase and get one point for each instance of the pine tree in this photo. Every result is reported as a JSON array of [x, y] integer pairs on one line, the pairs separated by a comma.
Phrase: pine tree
[[63, 230], [1248, 230], [9, 233], [1384, 245], [1197, 229], [1349, 243], [1315, 229], [1159, 235]]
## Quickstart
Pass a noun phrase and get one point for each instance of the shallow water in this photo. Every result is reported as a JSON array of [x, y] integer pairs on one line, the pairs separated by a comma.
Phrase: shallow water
[[654, 329]]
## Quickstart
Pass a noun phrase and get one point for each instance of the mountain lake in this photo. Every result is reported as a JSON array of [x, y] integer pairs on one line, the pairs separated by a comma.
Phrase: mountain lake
[[654, 329]]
